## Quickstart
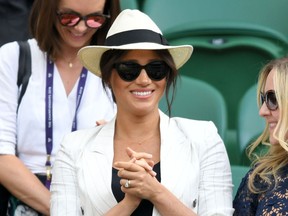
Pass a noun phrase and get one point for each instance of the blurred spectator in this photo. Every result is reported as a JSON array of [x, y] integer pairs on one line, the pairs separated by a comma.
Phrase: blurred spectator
[[14, 20]]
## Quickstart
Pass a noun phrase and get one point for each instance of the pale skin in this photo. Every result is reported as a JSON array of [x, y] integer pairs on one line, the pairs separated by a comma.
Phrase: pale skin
[[75, 38], [23, 184], [16, 177], [270, 116], [138, 115]]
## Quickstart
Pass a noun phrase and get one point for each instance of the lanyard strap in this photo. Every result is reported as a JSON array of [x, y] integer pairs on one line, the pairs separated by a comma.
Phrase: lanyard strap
[[80, 89], [49, 112], [49, 118]]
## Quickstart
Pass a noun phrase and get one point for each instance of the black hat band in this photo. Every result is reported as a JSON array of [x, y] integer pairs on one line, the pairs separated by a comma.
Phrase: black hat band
[[135, 36]]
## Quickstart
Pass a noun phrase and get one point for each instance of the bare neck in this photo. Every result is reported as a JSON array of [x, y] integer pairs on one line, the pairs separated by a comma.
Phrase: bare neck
[[131, 126]]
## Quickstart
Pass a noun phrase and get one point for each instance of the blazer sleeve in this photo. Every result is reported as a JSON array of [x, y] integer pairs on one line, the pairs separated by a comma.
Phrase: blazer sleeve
[[215, 180], [65, 198]]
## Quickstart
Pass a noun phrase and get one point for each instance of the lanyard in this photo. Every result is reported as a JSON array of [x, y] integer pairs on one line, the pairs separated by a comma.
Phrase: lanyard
[[49, 112]]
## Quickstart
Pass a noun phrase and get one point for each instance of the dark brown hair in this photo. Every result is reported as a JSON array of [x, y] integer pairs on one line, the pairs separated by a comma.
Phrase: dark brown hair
[[110, 57], [42, 24]]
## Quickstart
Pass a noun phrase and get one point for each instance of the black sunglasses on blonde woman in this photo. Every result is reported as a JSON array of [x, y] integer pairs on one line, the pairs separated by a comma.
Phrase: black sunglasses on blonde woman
[[71, 19], [269, 98]]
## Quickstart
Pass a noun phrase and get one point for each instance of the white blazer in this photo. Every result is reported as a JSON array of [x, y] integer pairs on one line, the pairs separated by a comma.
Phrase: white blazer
[[194, 167]]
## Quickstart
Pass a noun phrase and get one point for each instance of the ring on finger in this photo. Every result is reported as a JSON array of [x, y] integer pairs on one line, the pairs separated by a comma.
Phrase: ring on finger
[[127, 183]]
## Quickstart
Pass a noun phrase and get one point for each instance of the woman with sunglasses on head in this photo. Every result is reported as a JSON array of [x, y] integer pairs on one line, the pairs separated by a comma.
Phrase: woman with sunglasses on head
[[61, 96], [142, 162], [263, 191]]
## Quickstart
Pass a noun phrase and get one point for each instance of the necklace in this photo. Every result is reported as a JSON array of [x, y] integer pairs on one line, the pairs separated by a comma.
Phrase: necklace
[[70, 62], [138, 141]]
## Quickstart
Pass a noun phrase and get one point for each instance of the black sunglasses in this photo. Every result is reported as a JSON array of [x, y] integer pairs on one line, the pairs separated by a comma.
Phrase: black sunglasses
[[270, 99], [71, 19], [129, 71]]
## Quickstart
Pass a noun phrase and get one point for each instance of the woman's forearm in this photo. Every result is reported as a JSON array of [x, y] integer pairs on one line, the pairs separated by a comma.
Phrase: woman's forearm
[[23, 184], [167, 204], [125, 207]]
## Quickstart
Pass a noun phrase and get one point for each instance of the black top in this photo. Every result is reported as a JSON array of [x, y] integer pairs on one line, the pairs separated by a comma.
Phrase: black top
[[145, 207]]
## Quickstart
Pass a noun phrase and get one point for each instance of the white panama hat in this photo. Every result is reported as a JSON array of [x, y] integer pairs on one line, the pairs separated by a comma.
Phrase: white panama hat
[[132, 30]]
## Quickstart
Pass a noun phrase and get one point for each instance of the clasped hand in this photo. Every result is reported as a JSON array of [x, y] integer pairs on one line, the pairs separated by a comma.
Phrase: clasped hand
[[137, 176]]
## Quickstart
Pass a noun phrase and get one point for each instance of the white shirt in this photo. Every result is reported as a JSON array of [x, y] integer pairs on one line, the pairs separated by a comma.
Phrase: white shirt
[[28, 128], [193, 159]]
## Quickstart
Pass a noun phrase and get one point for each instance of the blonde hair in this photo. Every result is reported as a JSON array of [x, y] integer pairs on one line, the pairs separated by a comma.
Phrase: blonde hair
[[269, 164]]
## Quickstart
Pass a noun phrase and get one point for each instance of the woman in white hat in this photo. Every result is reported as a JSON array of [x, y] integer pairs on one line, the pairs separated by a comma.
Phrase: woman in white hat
[[142, 162]]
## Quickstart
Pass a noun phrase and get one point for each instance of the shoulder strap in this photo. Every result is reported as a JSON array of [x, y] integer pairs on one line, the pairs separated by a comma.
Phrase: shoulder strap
[[24, 70]]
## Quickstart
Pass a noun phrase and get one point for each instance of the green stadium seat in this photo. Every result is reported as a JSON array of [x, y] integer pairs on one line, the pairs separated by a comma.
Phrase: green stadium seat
[[172, 16], [231, 67], [196, 99], [129, 4], [238, 173], [232, 40], [249, 124]]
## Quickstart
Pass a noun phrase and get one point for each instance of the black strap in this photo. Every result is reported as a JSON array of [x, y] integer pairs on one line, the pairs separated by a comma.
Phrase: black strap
[[24, 70]]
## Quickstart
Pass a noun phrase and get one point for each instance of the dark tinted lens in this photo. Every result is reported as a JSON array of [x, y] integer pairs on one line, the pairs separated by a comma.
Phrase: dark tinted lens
[[271, 100], [128, 71], [95, 21], [157, 70], [69, 19]]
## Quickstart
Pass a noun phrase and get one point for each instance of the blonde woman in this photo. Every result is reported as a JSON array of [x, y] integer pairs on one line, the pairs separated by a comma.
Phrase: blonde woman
[[263, 191]]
